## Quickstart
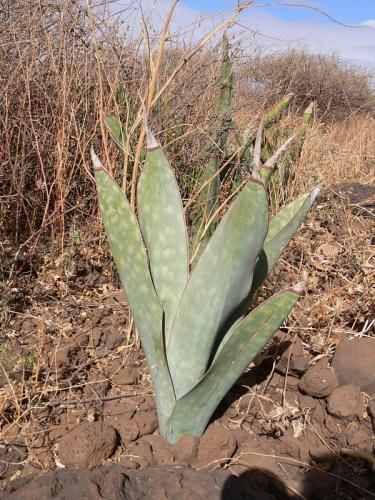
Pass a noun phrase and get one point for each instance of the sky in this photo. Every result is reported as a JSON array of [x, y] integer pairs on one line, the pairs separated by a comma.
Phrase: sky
[[347, 11], [281, 27]]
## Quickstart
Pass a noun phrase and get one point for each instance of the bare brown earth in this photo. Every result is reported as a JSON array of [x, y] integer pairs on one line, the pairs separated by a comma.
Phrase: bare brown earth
[[77, 409]]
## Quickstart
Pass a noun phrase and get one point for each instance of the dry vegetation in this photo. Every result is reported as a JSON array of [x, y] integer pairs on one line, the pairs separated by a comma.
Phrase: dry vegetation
[[60, 67]]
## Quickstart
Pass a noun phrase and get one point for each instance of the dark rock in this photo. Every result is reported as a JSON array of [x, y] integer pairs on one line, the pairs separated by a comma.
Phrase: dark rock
[[87, 445], [293, 360], [319, 380], [354, 363], [346, 402], [114, 340]]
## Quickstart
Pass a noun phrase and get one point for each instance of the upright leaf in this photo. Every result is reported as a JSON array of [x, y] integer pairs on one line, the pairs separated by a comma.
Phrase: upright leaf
[[208, 200], [219, 283], [161, 218], [132, 264]]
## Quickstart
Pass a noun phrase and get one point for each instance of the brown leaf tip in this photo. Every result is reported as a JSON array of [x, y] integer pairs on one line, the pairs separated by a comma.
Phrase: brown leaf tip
[[256, 177], [151, 142], [97, 164]]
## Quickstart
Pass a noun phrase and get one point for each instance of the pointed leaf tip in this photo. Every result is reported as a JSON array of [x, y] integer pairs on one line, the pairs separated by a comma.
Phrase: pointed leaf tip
[[310, 107], [256, 177], [96, 161], [152, 143], [299, 288], [314, 194]]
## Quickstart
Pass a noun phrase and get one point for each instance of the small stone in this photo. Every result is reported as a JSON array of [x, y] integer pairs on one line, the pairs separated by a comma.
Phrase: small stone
[[293, 360], [346, 402], [82, 339], [358, 438], [96, 336], [354, 363], [62, 357], [216, 443], [319, 380], [307, 403], [333, 426], [161, 451], [318, 414], [126, 376], [290, 446], [114, 340], [147, 422], [140, 452], [185, 450], [127, 428], [292, 383], [87, 445]]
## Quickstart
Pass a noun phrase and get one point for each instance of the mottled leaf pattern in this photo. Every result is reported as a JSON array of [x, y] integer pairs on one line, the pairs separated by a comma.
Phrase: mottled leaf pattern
[[132, 264], [193, 412], [161, 218], [220, 281]]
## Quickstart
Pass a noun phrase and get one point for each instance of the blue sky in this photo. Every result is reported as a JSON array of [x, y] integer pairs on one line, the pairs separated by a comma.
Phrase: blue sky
[[347, 11], [286, 27], [275, 28]]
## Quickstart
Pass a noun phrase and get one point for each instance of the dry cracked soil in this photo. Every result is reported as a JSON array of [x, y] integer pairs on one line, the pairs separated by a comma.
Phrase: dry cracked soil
[[78, 413]]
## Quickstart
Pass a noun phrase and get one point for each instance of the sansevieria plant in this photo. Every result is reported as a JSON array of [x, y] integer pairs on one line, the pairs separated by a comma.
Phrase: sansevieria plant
[[195, 328]]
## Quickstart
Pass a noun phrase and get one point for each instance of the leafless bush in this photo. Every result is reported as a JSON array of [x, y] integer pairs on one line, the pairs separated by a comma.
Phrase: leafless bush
[[339, 88], [60, 66]]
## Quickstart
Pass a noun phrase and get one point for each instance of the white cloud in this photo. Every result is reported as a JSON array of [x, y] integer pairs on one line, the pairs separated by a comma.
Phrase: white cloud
[[356, 45]]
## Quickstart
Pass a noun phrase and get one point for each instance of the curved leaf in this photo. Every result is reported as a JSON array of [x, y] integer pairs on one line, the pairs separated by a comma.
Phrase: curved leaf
[[220, 281], [116, 130], [193, 412], [281, 229]]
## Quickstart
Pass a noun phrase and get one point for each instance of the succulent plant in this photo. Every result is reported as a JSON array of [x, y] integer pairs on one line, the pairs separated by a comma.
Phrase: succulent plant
[[195, 328]]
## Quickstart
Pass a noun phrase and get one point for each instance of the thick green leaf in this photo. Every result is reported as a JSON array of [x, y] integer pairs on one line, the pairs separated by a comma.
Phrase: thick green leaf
[[132, 264], [193, 412], [161, 218], [219, 283], [281, 229]]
